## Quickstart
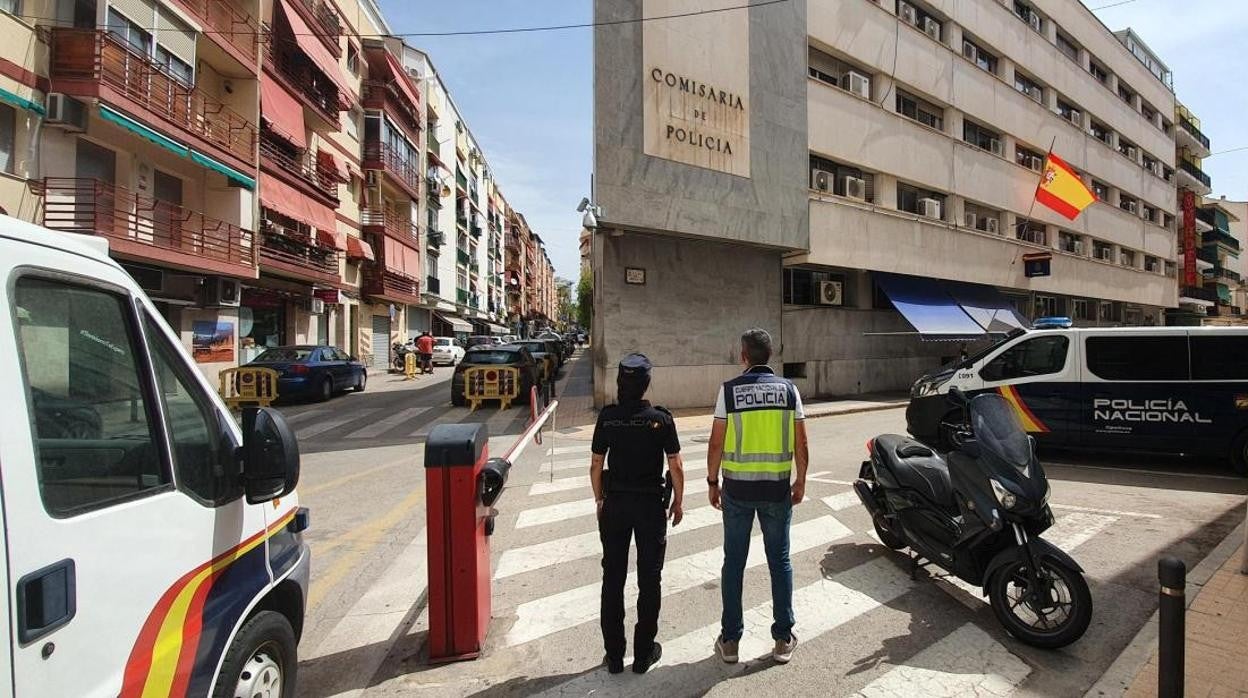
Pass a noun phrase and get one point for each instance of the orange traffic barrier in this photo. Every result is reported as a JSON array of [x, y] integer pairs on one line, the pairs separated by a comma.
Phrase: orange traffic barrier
[[248, 386], [500, 383]]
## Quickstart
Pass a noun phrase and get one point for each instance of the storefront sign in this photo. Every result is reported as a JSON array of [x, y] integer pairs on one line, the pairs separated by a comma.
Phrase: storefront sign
[[1190, 277], [331, 296], [696, 84]]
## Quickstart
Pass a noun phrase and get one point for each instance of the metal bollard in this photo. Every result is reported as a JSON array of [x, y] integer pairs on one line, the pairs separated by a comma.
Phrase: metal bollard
[[1171, 639]]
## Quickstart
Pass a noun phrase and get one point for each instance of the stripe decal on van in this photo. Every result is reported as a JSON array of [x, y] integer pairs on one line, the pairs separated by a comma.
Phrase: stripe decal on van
[[1031, 423], [162, 660]]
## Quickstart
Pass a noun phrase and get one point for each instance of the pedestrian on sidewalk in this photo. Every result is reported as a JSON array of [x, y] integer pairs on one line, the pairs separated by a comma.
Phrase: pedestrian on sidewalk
[[759, 415], [632, 494]]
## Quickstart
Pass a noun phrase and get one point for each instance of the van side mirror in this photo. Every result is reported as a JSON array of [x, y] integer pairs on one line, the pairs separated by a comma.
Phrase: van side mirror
[[270, 455]]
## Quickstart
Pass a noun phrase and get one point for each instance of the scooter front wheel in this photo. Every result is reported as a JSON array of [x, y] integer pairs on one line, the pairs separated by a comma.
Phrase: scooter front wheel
[[1053, 614]]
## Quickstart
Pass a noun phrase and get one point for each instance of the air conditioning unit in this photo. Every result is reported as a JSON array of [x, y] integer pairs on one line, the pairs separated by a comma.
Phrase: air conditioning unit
[[1156, 168], [1034, 93], [1035, 162], [990, 225], [906, 11], [1033, 20], [1150, 266], [1131, 151], [969, 219], [858, 84], [317, 306], [1105, 254], [994, 145], [66, 112], [821, 180], [220, 292], [970, 52], [1077, 247], [931, 27], [1130, 206], [856, 188], [929, 208], [830, 293], [1075, 117]]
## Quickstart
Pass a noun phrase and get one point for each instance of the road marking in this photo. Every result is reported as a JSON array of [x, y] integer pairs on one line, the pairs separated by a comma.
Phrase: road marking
[[550, 614], [380, 427], [322, 427], [967, 662], [337, 482], [1111, 512], [452, 416], [301, 416], [579, 507], [819, 608], [555, 552], [844, 500], [829, 481], [583, 462], [565, 484]]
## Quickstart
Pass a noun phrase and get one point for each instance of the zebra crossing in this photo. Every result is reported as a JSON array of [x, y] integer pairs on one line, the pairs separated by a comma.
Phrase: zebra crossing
[[546, 585], [326, 427]]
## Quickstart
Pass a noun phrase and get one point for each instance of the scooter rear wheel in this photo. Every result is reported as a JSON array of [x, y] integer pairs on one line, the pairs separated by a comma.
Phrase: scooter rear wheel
[[1051, 617], [887, 537]]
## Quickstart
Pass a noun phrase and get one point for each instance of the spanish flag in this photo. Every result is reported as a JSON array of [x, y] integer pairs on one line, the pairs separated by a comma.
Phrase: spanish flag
[[1061, 189]]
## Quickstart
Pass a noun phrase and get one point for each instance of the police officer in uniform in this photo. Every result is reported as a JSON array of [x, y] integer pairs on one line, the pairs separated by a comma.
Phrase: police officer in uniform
[[633, 437]]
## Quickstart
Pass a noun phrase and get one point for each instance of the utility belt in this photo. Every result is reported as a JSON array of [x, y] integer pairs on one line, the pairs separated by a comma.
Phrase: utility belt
[[665, 491]]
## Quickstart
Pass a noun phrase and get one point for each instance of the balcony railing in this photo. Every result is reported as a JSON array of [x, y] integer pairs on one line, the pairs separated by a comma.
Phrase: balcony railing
[[294, 252], [1222, 273], [435, 238], [1221, 237], [461, 257], [387, 158], [1192, 169], [461, 296], [231, 25], [328, 25], [308, 80], [303, 165], [378, 95], [1193, 129], [390, 284], [1201, 294], [94, 56], [390, 223], [1207, 254], [433, 285], [461, 180], [90, 206]]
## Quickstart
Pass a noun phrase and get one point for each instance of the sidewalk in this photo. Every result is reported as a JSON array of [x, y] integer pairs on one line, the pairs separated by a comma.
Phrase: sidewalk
[[1217, 635]]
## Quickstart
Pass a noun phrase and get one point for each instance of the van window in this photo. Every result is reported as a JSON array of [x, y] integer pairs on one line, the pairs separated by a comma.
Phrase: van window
[[202, 447], [1039, 356], [1138, 358], [94, 436], [1219, 357]]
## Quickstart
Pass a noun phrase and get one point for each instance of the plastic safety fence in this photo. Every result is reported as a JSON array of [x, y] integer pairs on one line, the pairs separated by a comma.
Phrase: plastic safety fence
[[483, 383]]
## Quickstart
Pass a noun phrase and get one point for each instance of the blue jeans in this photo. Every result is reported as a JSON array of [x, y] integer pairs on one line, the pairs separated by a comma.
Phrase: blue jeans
[[774, 519]]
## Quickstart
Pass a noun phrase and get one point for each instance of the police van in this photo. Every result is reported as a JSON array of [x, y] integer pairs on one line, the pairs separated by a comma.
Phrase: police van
[[151, 546], [1162, 390]]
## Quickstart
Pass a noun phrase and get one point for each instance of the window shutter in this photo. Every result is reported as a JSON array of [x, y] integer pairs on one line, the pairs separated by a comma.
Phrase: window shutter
[[175, 36], [141, 12]]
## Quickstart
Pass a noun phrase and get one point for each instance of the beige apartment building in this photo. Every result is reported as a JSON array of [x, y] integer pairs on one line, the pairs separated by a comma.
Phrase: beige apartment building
[[923, 132], [262, 167]]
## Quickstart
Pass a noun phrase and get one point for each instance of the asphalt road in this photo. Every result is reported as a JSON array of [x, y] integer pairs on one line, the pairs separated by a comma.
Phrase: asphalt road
[[864, 626]]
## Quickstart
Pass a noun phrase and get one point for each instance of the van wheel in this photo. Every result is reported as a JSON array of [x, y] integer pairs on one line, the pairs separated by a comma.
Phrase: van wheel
[[1239, 454], [262, 661]]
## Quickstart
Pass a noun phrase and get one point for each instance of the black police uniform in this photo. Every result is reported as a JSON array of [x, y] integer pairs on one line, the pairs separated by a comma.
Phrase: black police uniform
[[634, 437]]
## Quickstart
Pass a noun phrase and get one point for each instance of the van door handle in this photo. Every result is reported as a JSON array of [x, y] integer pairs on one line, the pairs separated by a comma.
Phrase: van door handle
[[46, 600]]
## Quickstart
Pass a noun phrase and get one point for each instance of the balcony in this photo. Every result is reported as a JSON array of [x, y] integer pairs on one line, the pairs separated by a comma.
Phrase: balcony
[[435, 239], [390, 223], [143, 228], [1189, 135], [295, 255], [312, 87], [1207, 254], [433, 285], [324, 20], [461, 257], [1221, 274], [1195, 178], [512, 243], [1197, 293], [385, 96], [1222, 239], [385, 157], [432, 144], [92, 63], [390, 285], [300, 166], [460, 180], [433, 186], [230, 27], [475, 227], [461, 296]]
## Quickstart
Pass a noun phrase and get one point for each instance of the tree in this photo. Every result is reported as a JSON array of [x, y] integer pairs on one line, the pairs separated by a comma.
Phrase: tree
[[585, 299], [567, 307]]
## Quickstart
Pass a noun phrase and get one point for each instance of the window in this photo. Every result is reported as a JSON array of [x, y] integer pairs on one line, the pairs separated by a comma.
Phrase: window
[[1040, 356], [1098, 72], [1125, 93], [981, 137], [914, 108], [129, 32], [203, 449], [1081, 309], [981, 218], [1152, 264], [1148, 213], [173, 48], [8, 138], [178, 68], [1102, 250], [1219, 357], [1031, 231], [842, 180], [1127, 148], [1101, 132], [975, 52], [1027, 14], [1128, 203], [1127, 258], [801, 286], [1027, 86], [94, 428], [1148, 112], [353, 59], [13, 7], [1046, 306], [838, 73], [1138, 358], [920, 17], [1070, 112], [1067, 46], [915, 200], [1031, 159], [1069, 242], [1151, 164], [1101, 190]]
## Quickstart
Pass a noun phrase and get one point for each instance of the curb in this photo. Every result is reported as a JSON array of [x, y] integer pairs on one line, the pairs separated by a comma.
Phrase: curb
[[857, 410], [1130, 662]]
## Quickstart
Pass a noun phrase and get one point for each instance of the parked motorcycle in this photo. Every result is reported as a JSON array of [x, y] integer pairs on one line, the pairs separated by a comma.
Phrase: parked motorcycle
[[978, 513], [400, 352]]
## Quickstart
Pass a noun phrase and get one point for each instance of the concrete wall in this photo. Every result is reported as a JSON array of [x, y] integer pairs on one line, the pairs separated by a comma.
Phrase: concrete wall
[[641, 192], [688, 325]]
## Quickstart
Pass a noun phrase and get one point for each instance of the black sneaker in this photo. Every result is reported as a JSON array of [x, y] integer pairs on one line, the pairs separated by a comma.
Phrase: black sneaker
[[615, 665], [641, 666]]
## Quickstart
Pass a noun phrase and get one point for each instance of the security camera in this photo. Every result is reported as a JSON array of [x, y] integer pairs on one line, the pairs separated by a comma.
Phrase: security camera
[[580, 208]]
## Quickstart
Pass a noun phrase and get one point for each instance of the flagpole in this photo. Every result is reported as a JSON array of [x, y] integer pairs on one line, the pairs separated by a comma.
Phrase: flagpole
[[1032, 208]]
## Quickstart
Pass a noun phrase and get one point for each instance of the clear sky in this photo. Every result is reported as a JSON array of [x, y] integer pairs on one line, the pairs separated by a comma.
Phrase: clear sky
[[528, 98]]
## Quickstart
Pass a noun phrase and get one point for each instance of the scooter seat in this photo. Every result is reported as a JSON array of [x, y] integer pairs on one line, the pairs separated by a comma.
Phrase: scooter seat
[[918, 467]]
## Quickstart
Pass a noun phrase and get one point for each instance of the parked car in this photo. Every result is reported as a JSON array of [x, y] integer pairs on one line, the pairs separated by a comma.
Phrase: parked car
[[483, 340], [313, 371], [545, 353], [506, 355], [564, 352], [446, 351]]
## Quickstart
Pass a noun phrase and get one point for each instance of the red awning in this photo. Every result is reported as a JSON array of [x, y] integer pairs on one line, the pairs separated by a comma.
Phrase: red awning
[[308, 42], [332, 163], [286, 200], [281, 111], [358, 249], [332, 239], [404, 80], [401, 258]]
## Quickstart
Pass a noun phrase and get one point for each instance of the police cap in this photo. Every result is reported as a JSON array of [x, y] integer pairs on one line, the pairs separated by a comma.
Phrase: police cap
[[634, 366]]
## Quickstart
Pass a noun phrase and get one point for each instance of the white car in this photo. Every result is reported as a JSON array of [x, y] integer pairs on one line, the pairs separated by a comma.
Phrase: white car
[[446, 351]]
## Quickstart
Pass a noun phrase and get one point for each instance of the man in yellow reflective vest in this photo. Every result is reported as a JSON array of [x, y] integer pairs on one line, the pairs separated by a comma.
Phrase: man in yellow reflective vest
[[758, 440]]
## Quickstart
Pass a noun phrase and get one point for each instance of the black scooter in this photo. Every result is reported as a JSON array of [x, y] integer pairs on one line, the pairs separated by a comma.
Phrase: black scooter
[[979, 516]]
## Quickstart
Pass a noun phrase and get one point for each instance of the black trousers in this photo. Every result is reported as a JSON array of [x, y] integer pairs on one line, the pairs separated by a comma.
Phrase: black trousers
[[625, 516]]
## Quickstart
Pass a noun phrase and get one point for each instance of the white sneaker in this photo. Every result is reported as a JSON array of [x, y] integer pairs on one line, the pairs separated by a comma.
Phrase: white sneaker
[[727, 651], [784, 650]]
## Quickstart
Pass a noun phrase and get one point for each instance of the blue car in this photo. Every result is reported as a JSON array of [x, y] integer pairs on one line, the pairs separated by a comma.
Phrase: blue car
[[313, 371]]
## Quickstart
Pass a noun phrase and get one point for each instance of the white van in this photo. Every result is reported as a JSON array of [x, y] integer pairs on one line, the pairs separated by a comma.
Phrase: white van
[[1145, 389], [151, 547]]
